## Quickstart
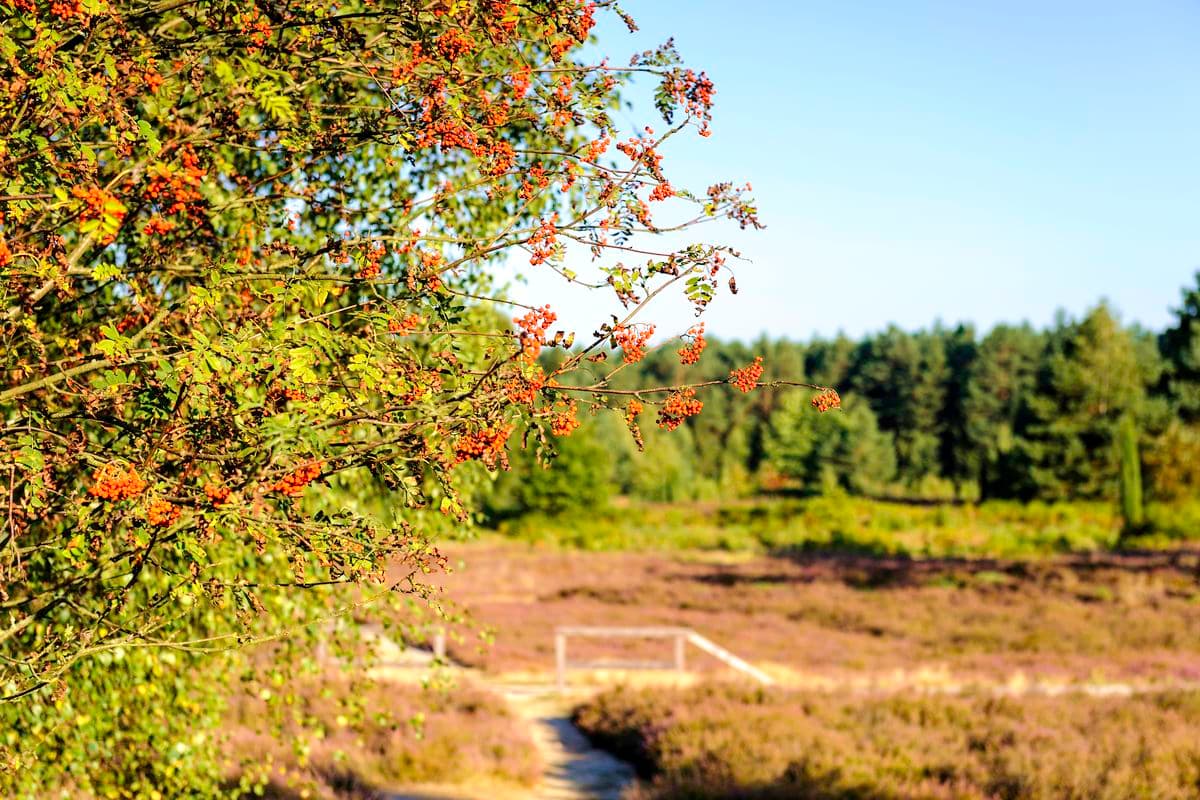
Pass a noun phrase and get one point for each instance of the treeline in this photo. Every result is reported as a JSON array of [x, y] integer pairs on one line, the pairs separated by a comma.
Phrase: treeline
[[1016, 413]]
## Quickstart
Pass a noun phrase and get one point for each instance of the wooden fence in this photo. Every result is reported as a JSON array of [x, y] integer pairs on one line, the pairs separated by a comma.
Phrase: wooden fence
[[680, 637]]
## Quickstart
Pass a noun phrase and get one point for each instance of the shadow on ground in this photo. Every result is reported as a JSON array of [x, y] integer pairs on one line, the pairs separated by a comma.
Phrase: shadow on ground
[[875, 571]]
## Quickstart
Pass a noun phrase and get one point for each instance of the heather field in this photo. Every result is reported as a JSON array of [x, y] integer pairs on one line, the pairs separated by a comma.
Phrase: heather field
[[1070, 676], [845, 621], [350, 738], [727, 742]]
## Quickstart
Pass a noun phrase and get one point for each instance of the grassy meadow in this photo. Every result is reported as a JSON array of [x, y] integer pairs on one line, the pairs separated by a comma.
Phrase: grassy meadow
[[840, 523]]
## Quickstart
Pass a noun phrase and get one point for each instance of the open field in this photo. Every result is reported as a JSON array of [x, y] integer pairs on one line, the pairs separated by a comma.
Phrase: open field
[[898, 678], [846, 621]]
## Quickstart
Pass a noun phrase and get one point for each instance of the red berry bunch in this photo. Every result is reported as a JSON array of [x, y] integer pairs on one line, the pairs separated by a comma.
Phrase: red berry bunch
[[533, 327], [114, 482], [484, 444], [541, 243], [157, 226], [405, 326], [747, 377], [162, 513], [596, 149], [294, 482], [563, 421], [371, 261], [217, 493], [662, 191], [679, 406], [66, 9], [690, 353], [524, 388], [827, 400], [177, 188], [101, 206], [632, 341], [453, 44]]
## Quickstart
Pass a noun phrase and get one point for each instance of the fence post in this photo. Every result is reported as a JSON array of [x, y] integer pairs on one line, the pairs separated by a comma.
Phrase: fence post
[[439, 644], [680, 660], [560, 659]]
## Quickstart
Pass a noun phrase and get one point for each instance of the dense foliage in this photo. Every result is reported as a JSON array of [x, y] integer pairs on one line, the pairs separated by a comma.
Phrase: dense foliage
[[944, 413], [251, 347]]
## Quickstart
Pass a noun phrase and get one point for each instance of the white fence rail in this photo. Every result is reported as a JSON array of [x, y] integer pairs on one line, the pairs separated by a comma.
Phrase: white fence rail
[[681, 637]]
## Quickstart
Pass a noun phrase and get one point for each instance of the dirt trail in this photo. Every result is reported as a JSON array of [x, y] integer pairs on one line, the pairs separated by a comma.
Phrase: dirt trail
[[574, 770]]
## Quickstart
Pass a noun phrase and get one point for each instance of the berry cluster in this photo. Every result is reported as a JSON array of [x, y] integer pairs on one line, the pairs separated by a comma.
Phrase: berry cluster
[[641, 151], [691, 352], [541, 243], [453, 44], [294, 482], [66, 9], [217, 493], [827, 400], [524, 388], [564, 421], [596, 149], [372, 257], [679, 406], [177, 188], [632, 341], [532, 334], [256, 28], [535, 178], [747, 377], [114, 482], [157, 226], [484, 444], [662, 191], [162, 513], [405, 326], [521, 80], [694, 92], [102, 207], [499, 156]]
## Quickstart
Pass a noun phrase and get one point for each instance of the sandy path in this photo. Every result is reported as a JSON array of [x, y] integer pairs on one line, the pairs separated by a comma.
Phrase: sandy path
[[574, 770]]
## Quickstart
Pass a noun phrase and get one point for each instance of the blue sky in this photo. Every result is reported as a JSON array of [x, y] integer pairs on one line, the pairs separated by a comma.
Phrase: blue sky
[[917, 161]]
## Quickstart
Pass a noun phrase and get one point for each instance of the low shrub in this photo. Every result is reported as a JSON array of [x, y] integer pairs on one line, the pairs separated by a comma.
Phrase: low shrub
[[374, 735], [843, 524], [721, 741]]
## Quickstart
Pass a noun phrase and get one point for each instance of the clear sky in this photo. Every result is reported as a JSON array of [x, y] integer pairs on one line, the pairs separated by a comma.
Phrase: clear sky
[[919, 160]]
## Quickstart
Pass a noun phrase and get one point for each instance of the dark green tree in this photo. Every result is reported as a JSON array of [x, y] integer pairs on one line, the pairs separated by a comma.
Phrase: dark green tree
[[999, 380], [840, 448], [956, 457], [1131, 475], [1180, 347], [902, 376], [1088, 380]]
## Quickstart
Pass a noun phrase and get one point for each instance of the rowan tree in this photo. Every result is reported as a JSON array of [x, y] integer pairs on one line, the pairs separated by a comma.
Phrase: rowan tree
[[248, 252]]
